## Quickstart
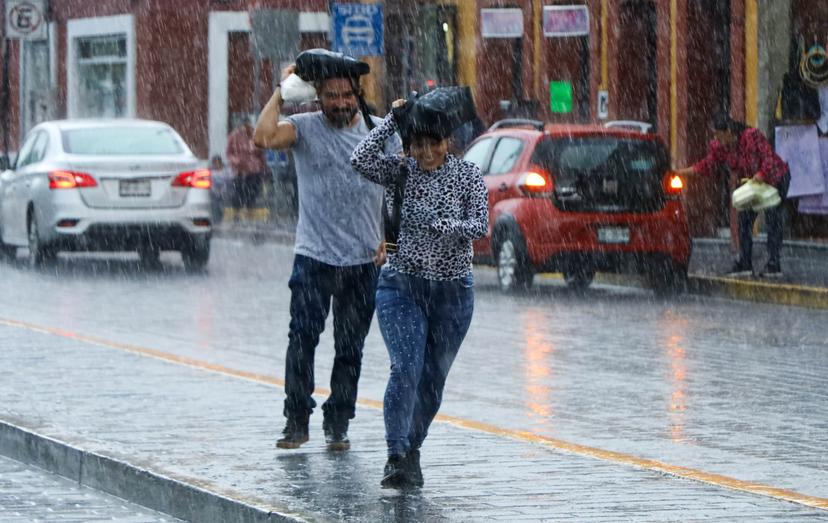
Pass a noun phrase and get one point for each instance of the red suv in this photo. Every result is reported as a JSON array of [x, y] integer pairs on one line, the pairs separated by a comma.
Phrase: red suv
[[577, 199]]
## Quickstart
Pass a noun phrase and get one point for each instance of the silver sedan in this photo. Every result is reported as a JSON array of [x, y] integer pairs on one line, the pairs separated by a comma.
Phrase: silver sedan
[[106, 185]]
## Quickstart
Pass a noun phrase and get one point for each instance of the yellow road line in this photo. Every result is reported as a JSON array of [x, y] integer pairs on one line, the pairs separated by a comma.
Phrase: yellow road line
[[717, 480]]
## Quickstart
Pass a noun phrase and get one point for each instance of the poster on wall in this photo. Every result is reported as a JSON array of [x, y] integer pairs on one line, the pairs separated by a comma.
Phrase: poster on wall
[[798, 145], [501, 23], [358, 29], [818, 203], [560, 97], [565, 20]]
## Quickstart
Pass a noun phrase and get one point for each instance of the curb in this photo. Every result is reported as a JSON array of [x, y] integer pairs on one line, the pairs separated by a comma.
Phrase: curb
[[734, 289], [781, 294], [178, 498], [756, 291]]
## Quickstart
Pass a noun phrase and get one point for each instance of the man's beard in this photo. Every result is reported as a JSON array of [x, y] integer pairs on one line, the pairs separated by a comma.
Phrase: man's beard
[[341, 117]]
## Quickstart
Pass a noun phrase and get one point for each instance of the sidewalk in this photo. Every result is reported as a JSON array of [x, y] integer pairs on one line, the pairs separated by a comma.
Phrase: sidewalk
[[30, 494], [196, 441], [805, 265]]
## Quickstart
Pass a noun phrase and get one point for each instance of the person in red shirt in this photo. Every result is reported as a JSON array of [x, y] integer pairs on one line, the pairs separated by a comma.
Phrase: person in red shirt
[[248, 165], [747, 153]]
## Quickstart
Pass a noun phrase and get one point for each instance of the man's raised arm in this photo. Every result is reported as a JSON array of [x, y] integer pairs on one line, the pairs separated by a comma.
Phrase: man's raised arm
[[270, 132]]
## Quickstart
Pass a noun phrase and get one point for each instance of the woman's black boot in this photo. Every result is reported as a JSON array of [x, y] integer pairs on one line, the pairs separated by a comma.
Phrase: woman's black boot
[[395, 474], [412, 466]]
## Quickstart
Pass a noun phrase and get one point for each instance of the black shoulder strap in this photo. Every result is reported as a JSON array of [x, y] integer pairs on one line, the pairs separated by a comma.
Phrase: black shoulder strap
[[391, 221]]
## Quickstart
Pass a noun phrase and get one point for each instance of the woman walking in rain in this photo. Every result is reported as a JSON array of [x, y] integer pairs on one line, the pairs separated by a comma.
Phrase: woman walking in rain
[[424, 295]]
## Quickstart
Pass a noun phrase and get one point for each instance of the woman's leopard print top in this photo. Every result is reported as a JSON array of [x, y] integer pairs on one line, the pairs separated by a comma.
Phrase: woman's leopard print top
[[442, 212]]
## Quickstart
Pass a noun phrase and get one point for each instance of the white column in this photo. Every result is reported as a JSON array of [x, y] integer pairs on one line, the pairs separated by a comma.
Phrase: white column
[[221, 23]]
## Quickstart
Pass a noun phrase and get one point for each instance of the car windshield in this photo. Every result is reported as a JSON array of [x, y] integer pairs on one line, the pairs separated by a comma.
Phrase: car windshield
[[571, 158], [117, 141], [605, 173]]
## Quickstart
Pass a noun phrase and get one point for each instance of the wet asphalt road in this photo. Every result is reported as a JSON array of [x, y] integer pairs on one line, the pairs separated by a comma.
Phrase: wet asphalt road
[[726, 387]]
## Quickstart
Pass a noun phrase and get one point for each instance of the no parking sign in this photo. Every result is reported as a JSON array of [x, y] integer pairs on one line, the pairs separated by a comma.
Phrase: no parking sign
[[26, 19]]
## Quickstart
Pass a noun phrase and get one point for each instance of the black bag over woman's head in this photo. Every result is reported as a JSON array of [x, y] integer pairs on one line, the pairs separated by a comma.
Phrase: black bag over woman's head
[[436, 114], [315, 65]]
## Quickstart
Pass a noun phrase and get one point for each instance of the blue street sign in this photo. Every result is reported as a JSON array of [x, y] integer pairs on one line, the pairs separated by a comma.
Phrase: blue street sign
[[358, 29]]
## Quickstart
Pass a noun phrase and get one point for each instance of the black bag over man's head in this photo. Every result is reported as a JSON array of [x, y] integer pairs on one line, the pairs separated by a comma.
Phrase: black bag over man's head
[[316, 65], [436, 114]]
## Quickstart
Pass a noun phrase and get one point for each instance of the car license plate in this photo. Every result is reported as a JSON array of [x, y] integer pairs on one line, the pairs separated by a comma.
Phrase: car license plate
[[614, 235], [134, 188]]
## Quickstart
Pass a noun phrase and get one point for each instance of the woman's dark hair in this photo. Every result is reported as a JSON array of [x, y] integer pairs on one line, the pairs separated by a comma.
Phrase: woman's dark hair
[[723, 122]]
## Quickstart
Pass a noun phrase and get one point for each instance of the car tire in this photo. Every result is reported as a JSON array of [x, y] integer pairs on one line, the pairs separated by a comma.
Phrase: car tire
[[7, 252], [668, 279], [514, 271], [196, 255], [578, 279], [40, 254], [150, 257]]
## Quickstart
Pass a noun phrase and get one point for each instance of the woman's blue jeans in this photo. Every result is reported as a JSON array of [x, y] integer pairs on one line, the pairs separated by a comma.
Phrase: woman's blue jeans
[[423, 323]]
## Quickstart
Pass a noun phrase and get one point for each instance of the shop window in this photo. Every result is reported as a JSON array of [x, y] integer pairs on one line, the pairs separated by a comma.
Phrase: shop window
[[102, 76]]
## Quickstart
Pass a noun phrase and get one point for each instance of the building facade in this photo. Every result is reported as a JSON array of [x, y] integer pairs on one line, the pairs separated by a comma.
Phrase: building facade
[[189, 63], [195, 64]]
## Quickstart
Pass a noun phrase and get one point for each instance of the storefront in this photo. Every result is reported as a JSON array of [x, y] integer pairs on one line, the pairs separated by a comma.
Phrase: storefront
[[790, 100]]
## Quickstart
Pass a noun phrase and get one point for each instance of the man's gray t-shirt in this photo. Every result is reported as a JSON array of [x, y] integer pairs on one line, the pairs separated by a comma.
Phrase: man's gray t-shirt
[[339, 210]]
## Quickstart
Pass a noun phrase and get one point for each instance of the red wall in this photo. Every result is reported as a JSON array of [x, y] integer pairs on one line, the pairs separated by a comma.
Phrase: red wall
[[171, 68], [171, 56]]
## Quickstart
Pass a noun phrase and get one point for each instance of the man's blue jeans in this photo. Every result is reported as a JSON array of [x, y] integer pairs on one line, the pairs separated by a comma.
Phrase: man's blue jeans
[[314, 286], [423, 323]]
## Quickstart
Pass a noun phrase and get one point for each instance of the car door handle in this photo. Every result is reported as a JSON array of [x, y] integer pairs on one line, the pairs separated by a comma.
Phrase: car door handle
[[503, 187]]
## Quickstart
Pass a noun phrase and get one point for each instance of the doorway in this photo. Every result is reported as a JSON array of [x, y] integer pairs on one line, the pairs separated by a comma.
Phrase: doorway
[[637, 88], [708, 92]]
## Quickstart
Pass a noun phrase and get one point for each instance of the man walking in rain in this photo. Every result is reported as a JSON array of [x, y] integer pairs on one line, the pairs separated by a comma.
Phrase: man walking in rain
[[338, 241]]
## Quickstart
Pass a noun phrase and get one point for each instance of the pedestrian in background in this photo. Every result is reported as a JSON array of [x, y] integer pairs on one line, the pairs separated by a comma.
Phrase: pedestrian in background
[[338, 244], [466, 134], [747, 153], [248, 164], [425, 297], [222, 190]]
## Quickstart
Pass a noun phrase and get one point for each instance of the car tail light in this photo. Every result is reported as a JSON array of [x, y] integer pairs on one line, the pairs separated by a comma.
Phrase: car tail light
[[198, 179], [70, 180], [536, 182], [673, 184]]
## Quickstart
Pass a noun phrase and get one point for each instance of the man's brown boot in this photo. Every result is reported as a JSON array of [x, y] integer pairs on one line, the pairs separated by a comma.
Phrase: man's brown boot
[[294, 434]]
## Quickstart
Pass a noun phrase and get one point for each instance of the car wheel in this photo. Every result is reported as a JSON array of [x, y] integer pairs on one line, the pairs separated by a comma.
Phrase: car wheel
[[579, 279], [7, 251], [196, 255], [668, 279], [39, 254], [514, 272]]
